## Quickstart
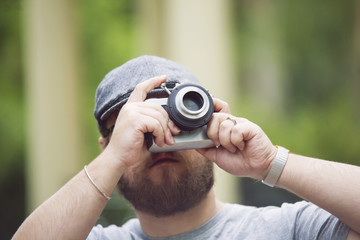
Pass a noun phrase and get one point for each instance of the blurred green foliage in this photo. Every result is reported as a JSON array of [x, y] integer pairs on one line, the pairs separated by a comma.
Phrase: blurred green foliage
[[315, 43], [11, 120], [320, 116], [11, 91], [107, 40]]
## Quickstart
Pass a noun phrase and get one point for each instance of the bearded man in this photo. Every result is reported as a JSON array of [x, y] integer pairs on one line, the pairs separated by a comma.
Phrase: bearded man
[[172, 191]]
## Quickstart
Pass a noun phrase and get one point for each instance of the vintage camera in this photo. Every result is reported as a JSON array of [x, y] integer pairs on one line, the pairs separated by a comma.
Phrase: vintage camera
[[190, 107]]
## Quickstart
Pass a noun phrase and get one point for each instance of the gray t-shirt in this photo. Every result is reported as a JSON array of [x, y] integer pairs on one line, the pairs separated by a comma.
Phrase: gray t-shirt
[[301, 220]]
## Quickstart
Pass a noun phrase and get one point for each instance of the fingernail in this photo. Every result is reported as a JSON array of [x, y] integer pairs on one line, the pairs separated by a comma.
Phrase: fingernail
[[170, 140], [176, 128], [173, 127]]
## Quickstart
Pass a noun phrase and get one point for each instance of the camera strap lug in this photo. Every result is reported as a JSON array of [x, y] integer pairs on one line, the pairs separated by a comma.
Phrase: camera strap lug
[[163, 86]]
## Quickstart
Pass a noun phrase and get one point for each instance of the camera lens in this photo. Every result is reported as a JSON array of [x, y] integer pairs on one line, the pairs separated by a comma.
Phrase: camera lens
[[190, 106], [193, 101]]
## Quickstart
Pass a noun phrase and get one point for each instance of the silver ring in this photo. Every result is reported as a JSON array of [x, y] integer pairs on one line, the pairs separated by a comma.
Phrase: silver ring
[[231, 119]]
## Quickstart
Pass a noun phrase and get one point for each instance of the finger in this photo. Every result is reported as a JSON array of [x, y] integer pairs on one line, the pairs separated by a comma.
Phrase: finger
[[225, 135], [244, 131], [237, 137], [153, 126], [221, 106], [175, 130], [157, 112], [213, 129], [208, 153], [141, 113], [214, 125], [141, 90]]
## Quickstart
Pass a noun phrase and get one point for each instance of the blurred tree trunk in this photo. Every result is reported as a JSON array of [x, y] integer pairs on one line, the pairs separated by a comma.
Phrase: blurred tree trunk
[[264, 76]]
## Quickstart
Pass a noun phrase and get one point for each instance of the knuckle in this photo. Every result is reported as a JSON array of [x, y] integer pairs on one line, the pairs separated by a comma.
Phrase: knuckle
[[225, 124], [126, 109], [161, 116], [158, 126], [225, 104], [212, 134], [140, 86], [236, 130]]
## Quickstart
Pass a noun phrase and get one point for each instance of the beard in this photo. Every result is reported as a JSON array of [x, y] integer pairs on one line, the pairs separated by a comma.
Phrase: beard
[[176, 193]]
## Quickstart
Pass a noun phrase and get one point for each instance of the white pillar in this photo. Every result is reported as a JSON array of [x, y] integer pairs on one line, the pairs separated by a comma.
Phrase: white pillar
[[195, 34], [52, 79]]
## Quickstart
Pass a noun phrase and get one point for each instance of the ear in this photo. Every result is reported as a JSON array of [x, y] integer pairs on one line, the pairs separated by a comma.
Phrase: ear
[[102, 143]]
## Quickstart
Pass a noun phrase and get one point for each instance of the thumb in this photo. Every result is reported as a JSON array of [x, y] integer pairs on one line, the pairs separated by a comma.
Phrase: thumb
[[209, 153]]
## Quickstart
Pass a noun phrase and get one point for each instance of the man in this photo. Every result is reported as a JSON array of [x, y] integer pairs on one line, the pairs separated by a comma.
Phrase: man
[[172, 192]]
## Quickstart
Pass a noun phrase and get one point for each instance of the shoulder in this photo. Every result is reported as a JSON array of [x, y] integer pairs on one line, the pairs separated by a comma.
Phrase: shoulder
[[308, 218], [301, 220]]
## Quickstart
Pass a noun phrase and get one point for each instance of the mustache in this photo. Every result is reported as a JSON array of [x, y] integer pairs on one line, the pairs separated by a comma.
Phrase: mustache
[[156, 157]]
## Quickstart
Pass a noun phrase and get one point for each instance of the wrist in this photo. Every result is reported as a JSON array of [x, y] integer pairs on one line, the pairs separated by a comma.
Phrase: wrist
[[112, 159], [276, 167], [268, 160], [104, 173]]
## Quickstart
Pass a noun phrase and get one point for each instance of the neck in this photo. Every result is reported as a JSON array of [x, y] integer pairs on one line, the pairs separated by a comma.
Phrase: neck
[[181, 222]]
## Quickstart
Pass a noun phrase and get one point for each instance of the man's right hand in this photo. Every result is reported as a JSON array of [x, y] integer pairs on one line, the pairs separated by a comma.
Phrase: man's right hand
[[137, 118]]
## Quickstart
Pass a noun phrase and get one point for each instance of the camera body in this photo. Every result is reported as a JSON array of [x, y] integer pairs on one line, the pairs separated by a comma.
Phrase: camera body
[[190, 107]]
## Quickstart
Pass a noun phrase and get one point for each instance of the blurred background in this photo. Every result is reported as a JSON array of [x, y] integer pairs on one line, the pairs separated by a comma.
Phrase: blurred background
[[293, 67]]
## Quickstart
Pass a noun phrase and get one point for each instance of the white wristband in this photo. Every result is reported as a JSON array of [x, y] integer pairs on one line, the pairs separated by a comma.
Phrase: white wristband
[[277, 167]]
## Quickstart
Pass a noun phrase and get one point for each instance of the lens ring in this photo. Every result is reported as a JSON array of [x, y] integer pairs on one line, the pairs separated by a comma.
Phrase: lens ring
[[185, 118], [185, 111], [193, 102]]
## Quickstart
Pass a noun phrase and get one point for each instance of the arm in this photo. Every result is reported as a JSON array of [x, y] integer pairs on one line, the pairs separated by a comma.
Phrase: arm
[[246, 151], [73, 210], [332, 186]]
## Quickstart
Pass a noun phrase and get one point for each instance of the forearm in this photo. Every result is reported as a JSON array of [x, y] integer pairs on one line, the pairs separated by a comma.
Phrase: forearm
[[72, 211], [332, 186]]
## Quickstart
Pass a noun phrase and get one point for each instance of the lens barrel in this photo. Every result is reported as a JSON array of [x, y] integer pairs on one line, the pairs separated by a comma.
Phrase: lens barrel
[[190, 106]]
